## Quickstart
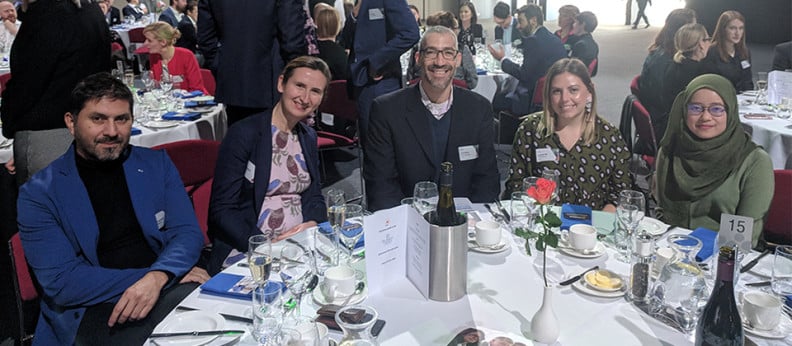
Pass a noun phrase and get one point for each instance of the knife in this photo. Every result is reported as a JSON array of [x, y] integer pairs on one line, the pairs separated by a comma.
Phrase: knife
[[198, 333], [577, 277], [226, 316], [759, 284], [754, 261], [506, 215]]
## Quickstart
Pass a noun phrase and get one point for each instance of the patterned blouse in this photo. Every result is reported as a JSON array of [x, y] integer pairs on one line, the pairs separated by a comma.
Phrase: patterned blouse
[[282, 206], [466, 37], [591, 175]]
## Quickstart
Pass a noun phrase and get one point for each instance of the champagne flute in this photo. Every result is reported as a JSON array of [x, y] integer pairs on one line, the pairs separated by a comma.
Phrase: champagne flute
[[352, 229], [296, 273], [146, 78], [425, 196], [259, 258], [335, 201], [629, 212]]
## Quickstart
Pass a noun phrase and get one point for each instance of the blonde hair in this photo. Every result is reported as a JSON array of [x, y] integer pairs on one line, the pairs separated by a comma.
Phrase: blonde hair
[[686, 40], [576, 67], [328, 22], [163, 31]]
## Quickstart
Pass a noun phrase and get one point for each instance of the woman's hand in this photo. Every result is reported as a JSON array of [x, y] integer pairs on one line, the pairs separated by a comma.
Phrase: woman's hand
[[296, 229], [609, 208], [10, 166]]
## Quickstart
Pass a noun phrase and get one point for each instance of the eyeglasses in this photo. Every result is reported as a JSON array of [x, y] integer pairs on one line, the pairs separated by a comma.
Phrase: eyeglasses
[[448, 54], [707, 39], [698, 109]]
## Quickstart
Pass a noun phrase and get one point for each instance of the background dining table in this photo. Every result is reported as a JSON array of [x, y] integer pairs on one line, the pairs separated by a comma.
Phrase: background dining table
[[771, 132], [504, 290]]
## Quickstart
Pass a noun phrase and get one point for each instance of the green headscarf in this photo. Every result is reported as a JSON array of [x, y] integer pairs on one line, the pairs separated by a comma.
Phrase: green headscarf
[[698, 166]]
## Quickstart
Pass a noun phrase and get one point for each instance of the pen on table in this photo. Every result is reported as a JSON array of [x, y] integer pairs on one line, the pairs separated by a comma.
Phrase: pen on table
[[753, 262], [492, 212], [506, 215]]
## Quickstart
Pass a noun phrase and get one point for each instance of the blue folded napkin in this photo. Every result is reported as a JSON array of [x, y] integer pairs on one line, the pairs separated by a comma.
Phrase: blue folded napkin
[[572, 214], [181, 116], [190, 104], [325, 228], [136, 131], [707, 237], [192, 94], [481, 72], [236, 286]]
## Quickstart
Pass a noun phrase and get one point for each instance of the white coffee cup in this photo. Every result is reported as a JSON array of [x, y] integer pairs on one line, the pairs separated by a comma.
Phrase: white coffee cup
[[339, 282], [762, 310], [582, 237], [313, 333], [488, 233]]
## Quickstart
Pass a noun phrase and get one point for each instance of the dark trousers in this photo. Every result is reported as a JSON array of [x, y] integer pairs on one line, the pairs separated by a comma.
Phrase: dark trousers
[[641, 8], [93, 327], [237, 113], [367, 95]]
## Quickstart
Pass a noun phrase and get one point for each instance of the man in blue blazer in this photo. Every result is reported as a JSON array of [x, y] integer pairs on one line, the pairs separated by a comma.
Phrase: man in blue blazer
[[415, 129], [245, 43], [383, 31], [173, 14], [540, 50], [107, 228]]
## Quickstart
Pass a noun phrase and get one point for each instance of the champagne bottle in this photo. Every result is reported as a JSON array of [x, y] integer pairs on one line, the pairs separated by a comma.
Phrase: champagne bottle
[[446, 210], [720, 323]]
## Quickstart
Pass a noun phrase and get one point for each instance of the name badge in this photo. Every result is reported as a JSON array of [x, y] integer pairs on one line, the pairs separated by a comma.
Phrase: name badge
[[745, 64], [160, 217], [468, 152], [250, 171], [375, 14], [545, 155]]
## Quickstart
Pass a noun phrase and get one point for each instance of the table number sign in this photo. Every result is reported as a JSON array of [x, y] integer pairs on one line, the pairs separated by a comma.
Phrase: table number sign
[[735, 229]]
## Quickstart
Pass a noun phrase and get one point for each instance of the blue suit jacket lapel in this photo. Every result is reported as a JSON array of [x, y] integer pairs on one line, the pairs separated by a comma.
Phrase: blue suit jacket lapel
[[78, 213], [417, 121], [139, 183]]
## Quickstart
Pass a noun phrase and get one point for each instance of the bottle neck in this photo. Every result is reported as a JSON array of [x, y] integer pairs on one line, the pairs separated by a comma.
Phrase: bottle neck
[[725, 270]]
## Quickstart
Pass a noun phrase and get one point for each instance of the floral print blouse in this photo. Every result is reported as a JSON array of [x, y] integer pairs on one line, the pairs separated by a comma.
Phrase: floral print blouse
[[590, 175]]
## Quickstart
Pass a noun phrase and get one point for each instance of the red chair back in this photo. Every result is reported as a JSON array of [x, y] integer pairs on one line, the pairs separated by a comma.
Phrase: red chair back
[[136, 35], [23, 281], [634, 86], [538, 99], [200, 199], [208, 81], [337, 102], [644, 130], [4, 78], [194, 158], [778, 228]]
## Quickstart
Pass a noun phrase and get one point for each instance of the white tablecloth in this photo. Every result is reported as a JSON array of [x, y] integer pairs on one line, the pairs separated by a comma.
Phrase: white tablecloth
[[123, 32], [504, 291], [775, 135], [210, 126]]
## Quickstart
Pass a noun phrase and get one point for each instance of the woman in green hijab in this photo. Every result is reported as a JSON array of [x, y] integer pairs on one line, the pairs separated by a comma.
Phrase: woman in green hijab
[[707, 164]]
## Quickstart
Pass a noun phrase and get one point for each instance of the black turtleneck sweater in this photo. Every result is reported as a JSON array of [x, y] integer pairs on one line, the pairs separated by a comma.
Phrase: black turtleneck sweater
[[121, 241]]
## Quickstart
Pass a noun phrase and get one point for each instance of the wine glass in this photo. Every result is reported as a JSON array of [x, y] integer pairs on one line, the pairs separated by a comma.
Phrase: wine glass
[[761, 86], [259, 258], [352, 229], [147, 79], [267, 313], [296, 272], [425, 197], [629, 213], [335, 201]]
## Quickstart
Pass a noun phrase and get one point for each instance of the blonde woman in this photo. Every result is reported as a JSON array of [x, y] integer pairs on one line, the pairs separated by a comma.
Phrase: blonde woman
[[160, 37], [566, 18], [691, 43], [728, 53], [570, 138]]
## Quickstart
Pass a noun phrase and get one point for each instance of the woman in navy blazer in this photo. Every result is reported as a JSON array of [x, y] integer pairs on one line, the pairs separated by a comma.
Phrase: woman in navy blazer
[[248, 196]]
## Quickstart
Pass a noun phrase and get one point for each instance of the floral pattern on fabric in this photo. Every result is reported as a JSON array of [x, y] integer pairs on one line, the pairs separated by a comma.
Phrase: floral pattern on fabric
[[590, 175], [289, 177]]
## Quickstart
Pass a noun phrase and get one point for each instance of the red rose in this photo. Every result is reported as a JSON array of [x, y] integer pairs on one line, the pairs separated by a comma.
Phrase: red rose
[[543, 191]]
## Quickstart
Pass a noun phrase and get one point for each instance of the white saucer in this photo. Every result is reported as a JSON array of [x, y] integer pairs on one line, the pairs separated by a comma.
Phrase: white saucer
[[750, 93], [652, 227], [500, 247], [598, 251], [320, 299], [204, 109], [160, 124], [187, 322], [782, 330], [581, 286]]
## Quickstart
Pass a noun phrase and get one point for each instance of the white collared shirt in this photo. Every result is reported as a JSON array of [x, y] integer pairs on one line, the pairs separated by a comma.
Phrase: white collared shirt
[[438, 110]]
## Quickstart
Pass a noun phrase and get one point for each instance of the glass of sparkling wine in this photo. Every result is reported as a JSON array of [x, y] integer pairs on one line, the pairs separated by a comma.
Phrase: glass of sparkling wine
[[259, 258], [335, 201]]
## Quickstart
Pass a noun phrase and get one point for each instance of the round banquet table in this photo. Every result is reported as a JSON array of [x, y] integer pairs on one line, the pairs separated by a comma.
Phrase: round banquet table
[[774, 135]]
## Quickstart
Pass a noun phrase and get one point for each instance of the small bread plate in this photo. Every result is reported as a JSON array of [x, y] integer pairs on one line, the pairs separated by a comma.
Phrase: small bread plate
[[582, 286], [320, 298], [781, 331], [652, 227], [603, 280], [160, 124], [187, 322], [567, 249]]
